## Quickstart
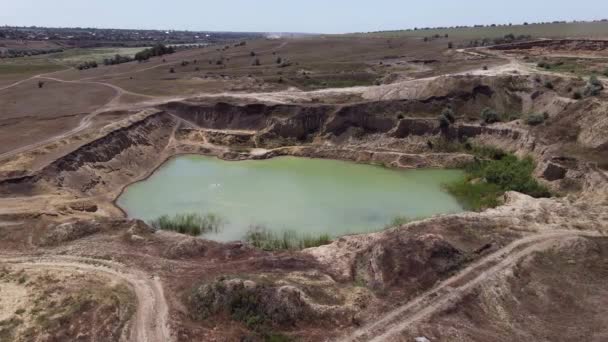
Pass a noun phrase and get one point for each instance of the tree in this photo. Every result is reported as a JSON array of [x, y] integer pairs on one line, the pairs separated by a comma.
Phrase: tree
[[172, 71], [448, 113], [279, 60], [444, 124], [450, 45], [40, 84]]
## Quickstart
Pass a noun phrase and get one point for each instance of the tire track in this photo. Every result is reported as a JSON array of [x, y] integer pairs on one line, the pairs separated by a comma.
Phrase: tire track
[[453, 288], [151, 320]]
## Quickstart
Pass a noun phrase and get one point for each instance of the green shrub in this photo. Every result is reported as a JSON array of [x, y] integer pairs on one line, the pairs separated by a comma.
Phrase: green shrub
[[191, 224], [605, 73], [263, 238], [577, 95], [488, 179], [448, 113], [535, 119], [475, 195], [594, 86], [490, 116], [549, 85]]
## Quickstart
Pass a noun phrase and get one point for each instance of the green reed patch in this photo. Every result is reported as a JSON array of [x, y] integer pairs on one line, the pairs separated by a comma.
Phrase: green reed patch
[[191, 224], [263, 238]]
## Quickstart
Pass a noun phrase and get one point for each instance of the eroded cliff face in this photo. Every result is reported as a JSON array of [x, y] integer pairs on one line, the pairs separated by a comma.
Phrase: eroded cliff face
[[103, 165], [396, 133]]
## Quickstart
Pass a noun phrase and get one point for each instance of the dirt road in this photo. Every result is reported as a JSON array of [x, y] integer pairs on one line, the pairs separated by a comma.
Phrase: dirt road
[[387, 328], [150, 323]]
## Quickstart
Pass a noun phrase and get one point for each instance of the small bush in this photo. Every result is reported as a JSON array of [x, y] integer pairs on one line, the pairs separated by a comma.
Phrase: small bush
[[594, 86], [577, 95], [605, 73], [485, 67], [535, 119], [549, 85], [444, 123], [490, 116]]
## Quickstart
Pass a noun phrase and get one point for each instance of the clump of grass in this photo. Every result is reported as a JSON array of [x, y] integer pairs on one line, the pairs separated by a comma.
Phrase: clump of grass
[[487, 179], [535, 119], [191, 224], [398, 221], [263, 238]]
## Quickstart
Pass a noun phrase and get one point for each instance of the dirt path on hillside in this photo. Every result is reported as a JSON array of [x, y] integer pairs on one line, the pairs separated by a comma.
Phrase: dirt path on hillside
[[111, 104], [151, 320], [452, 289], [84, 122]]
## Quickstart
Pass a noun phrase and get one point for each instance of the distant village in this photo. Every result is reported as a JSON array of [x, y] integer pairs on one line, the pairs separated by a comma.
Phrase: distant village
[[32, 40]]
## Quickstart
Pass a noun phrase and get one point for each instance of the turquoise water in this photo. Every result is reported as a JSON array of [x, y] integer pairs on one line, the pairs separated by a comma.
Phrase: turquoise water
[[309, 196]]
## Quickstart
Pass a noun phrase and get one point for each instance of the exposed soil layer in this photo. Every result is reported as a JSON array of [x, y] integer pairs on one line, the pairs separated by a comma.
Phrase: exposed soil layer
[[558, 45]]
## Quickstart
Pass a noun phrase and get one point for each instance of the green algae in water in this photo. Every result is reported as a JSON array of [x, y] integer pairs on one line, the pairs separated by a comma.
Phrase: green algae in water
[[308, 196]]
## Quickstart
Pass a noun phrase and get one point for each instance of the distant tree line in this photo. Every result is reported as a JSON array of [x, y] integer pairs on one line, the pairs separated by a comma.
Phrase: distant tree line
[[12, 53], [117, 59], [509, 38], [87, 65], [157, 50]]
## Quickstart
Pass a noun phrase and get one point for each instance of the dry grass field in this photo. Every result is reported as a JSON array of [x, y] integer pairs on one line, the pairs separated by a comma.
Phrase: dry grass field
[[549, 30]]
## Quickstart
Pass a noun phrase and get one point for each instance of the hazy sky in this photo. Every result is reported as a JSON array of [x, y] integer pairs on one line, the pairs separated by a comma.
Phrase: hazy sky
[[323, 16]]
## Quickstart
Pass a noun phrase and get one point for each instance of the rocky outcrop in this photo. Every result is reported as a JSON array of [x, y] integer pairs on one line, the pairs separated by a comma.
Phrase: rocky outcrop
[[261, 303]]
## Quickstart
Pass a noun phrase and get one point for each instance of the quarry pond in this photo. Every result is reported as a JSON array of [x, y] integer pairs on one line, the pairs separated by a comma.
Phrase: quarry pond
[[308, 196]]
